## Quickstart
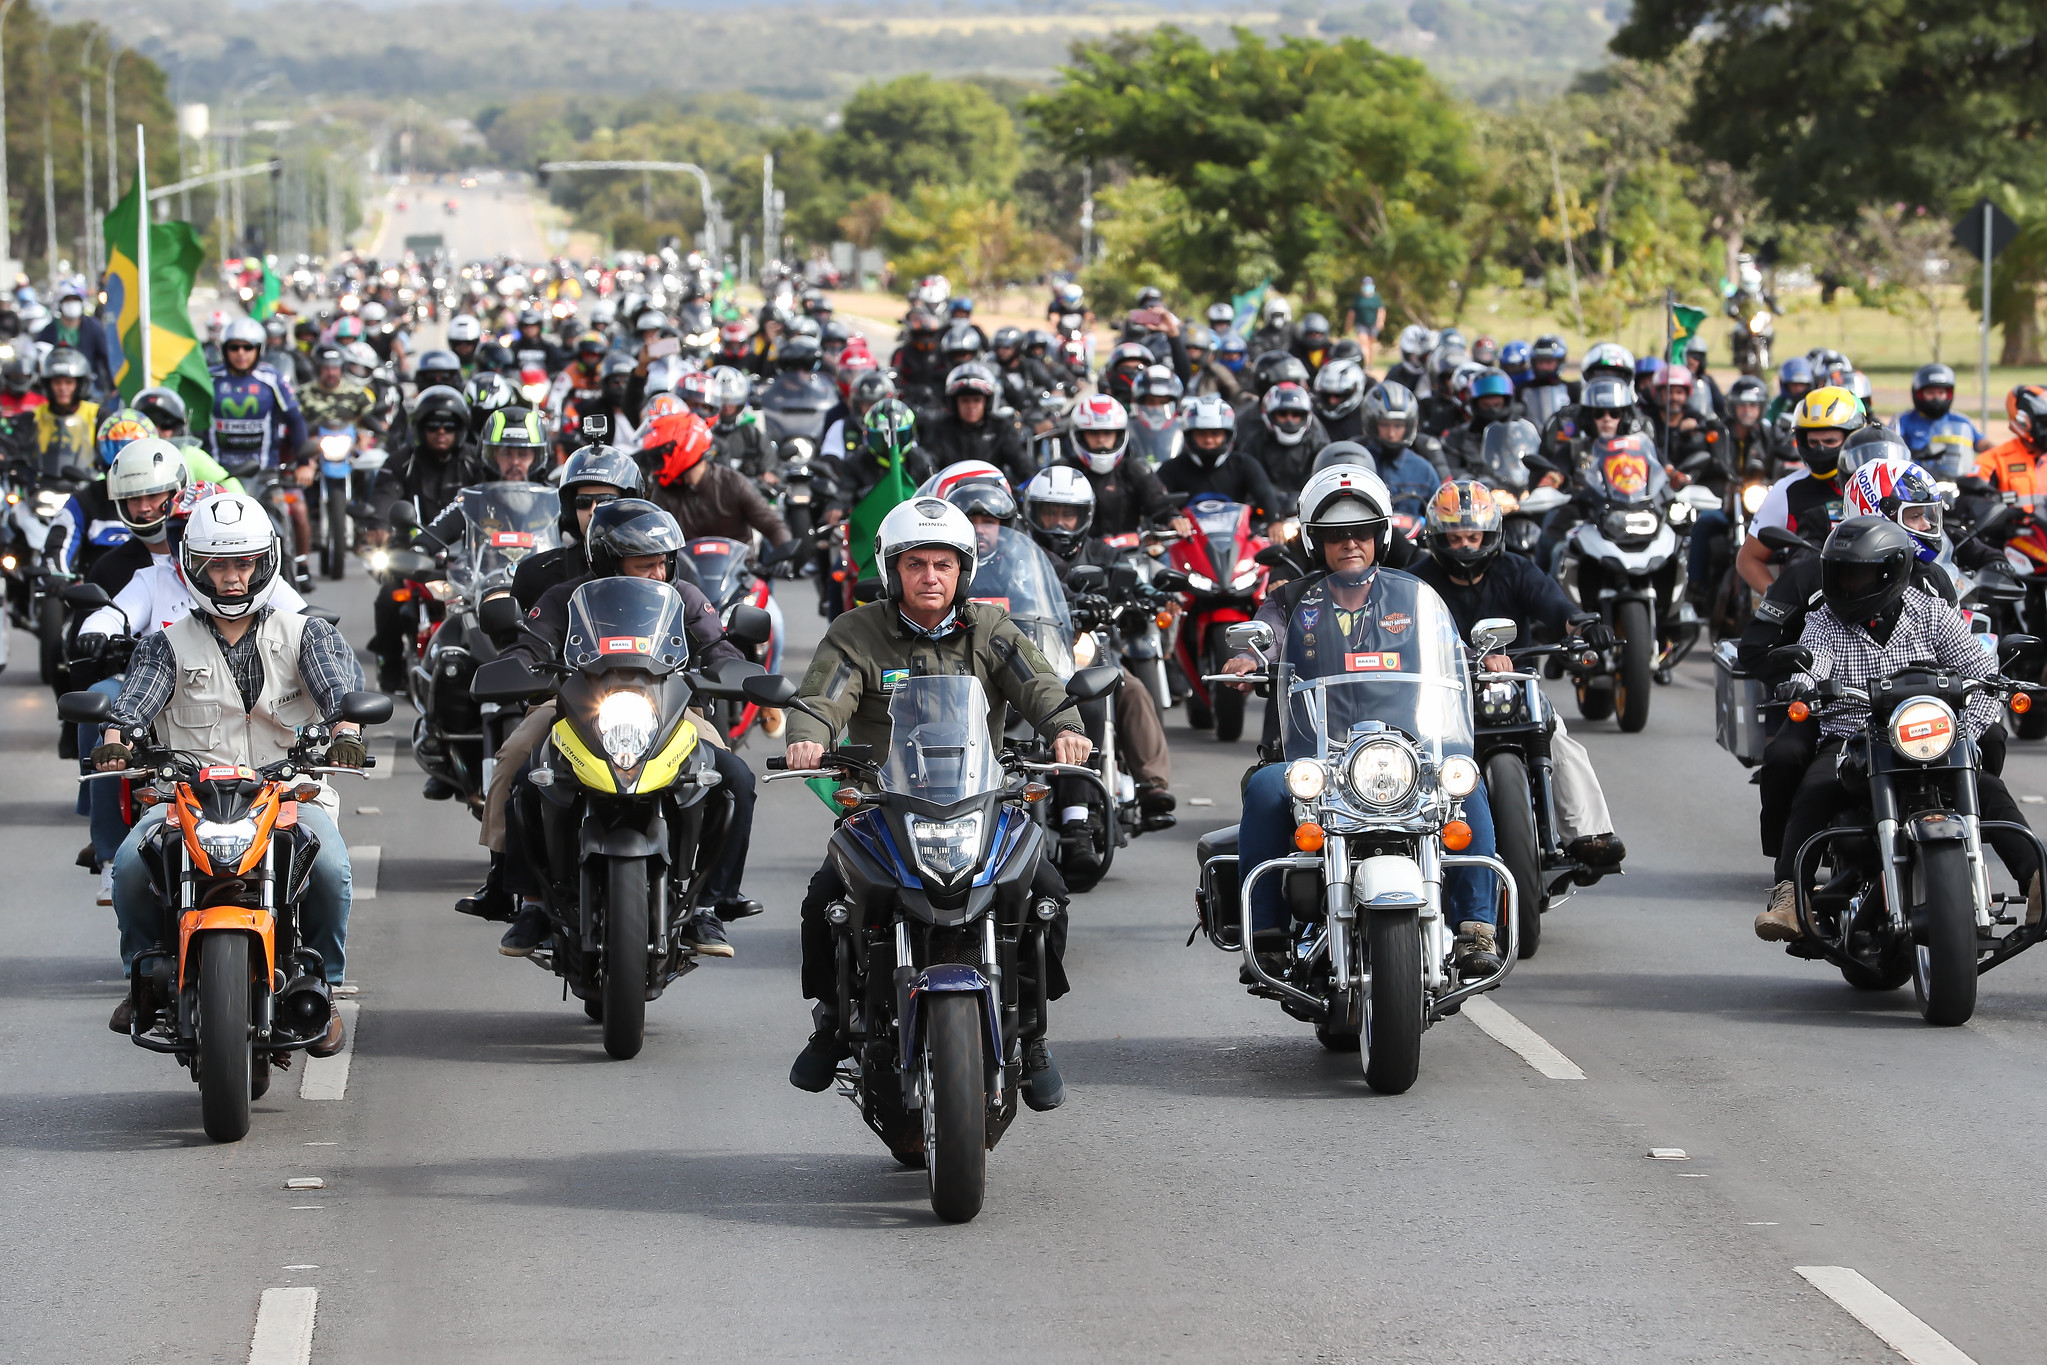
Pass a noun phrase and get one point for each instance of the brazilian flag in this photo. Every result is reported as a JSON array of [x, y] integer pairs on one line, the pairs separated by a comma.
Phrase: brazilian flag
[[175, 359], [265, 302], [1684, 325]]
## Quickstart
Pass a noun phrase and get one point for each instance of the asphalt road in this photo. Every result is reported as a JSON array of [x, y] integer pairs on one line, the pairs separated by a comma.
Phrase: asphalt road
[[484, 221]]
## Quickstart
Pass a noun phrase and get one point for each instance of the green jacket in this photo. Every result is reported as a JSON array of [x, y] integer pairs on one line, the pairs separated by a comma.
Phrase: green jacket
[[867, 650]]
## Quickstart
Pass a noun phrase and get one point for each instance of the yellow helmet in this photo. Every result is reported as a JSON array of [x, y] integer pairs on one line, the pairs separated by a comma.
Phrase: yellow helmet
[[1832, 408]]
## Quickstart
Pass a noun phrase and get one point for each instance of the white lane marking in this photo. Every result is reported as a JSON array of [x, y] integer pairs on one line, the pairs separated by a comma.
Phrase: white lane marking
[[326, 1078], [1896, 1325], [365, 861], [1668, 1154], [306, 1182], [1510, 1033], [284, 1327]]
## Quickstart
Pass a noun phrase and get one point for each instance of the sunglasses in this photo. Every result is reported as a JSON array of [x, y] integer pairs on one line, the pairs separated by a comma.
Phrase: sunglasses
[[586, 501], [1347, 536], [237, 346]]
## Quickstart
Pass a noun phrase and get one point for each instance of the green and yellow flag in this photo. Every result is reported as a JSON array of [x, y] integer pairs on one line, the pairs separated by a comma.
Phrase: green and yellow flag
[[265, 302], [175, 359], [1684, 325]]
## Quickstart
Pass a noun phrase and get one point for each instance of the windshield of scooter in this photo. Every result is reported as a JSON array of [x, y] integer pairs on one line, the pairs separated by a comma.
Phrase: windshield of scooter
[[1393, 656], [938, 744], [1950, 448], [1504, 454], [795, 404], [504, 524], [1017, 575], [1156, 445], [1630, 476], [721, 567], [626, 623]]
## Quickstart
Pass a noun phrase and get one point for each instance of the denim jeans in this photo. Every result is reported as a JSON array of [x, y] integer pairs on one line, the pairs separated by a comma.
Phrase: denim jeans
[[323, 915], [1267, 832], [1712, 528], [101, 799]]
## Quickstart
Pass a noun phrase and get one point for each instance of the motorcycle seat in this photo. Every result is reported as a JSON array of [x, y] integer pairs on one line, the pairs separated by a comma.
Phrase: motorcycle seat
[[1216, 841]]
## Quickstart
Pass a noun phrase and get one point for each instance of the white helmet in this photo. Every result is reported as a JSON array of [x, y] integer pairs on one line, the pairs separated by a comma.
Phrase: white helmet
[[1099, 412], [360, 353], [1276, 311], [1059, 486], [150, 465], [248, 331], [1416, 341], [230, 526], [1346, 495], [373, 312], [464, 327], [731, 386], [920, 522]]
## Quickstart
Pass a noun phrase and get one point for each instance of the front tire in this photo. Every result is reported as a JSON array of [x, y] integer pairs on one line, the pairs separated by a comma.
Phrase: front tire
[[1638, 660], [955, 1106], [225, 1061], [1393, 1006], [1944, 957], [624, 999], [50, 638], [1506, 782], [1227, 702]]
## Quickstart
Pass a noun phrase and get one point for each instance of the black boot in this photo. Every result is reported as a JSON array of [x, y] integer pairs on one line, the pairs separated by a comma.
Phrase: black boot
[[818, 1063], [439, 789], [1043, 1089], [1083, 854], [491, 901], [1156, 804]]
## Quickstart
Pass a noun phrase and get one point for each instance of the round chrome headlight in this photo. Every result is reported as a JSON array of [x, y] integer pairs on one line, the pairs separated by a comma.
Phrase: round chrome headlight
[[625, 722], [1459, 775], [1382, 773], [1752, 496], [1923, 729], [1306, 779]]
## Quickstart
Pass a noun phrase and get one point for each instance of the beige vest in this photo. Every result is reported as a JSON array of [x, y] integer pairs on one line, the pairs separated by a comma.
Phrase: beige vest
[[205, 714]]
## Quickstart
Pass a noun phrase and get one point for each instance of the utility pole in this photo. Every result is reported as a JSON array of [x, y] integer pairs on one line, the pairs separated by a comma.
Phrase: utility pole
[[49, 178], [113, 154], [1564, 221], [768, 232], [6, 202], [85, 146]]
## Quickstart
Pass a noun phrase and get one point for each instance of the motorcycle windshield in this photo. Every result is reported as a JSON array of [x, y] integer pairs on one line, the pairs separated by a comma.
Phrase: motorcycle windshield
[[1950, 449], [720, 564], [938, 745], [795, 404], [1155, 446], [505, 524], [626, 623], [1625, 479], [1016, 575], [1504, 453], [1395, 659], [1544, 401], [1217, 518]]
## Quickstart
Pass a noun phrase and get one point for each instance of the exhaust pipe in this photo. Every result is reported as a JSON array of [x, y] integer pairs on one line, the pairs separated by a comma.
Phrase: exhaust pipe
[[305, 1006]]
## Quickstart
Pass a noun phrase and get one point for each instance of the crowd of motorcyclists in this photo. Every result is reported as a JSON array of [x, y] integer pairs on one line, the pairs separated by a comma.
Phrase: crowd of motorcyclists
[[1221, 506]]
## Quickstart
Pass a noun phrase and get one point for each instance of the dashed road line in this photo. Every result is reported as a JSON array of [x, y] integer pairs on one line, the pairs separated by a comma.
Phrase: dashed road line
[[1896, 1325], [365, 861], [284, 1327], [1510, 1033], [326, 1078]]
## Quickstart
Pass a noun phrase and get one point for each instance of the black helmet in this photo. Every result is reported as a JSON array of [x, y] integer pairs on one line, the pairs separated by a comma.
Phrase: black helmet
[[627, 528], [961, 339], [1314, 325], [1276, 367], [160, 405], [485, 393], [1933, 376], [1151, 296], [1007, 339], [972, 377], [1548, 346], [595, 464], [1865, 566], [330, 355], [1747, 389], [1391, 402], [832, 330], [18, 370], [1036, 342], [1347, 348], [437, 367], [530, 317], [617, 366], [439, 405], [797, 354], [514, 429]]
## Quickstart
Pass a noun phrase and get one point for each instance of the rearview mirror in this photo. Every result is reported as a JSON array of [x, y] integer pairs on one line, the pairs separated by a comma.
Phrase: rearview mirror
[[1538, 501], [366, 708], [1091, 683], [1253, 637], [1170, 580], [769, 689], [75, 473], [1086, 578], [403, 516], [1790, 659], [499, 616], [85, 708], [85, 596], [749, 626], [728, 677], [1700, 497], [332, 618], [1777, 538], [2014, 648], [1493, 634], [504, 680], [1123, 578]]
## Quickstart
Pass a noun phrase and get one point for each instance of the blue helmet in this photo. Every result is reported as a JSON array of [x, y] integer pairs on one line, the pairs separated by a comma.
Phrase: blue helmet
[[1514, 356], [1491, 384], [1232, 351], [1797, 370]]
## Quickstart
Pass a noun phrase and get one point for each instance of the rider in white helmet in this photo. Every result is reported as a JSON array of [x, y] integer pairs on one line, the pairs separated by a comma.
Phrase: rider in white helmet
[[233, 682], [924, 624]]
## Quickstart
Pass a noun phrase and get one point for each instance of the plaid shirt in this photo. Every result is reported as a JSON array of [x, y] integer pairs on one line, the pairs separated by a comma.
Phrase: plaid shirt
[[1928, 630], [326, 664]]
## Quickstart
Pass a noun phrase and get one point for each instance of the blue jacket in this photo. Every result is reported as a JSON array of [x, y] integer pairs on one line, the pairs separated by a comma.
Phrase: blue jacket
[[255, 417], [92, 344]]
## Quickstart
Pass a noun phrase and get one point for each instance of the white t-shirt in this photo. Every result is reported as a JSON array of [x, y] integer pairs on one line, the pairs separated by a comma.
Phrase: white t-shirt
[[834, 442], [1776, 508], [156, 597]]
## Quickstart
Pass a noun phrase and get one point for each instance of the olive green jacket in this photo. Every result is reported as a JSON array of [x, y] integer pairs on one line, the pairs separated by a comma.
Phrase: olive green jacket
[[868, 651]]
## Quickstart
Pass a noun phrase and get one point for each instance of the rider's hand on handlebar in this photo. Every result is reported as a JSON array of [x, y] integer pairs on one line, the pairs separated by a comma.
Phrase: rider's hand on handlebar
[[112, 754], [348, 750], [1550, 480], [1498, 663], [1071, 746], [304, 475], [802, 754], [1241, 666]]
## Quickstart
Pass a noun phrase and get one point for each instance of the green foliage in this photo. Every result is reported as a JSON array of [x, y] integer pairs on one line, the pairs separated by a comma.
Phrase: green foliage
[[958, 231], [916, 130]]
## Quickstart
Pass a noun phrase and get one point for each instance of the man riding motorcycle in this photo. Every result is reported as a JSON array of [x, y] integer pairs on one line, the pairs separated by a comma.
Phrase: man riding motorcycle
[[1325, 618], [1205, 463], [333, 399], [973, 427], [1288, 438], [1933, 400], [1492, 400], [234, 682], [430, 475], [64, 427], [257, 425], [1464, 565], [2013, 466], [1128, 496], [741, 439], [707, 498], [1339, 396], [1808, 502]]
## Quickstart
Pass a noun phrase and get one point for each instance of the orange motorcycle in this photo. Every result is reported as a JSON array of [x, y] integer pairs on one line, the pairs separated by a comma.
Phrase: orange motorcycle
[[230, 989]]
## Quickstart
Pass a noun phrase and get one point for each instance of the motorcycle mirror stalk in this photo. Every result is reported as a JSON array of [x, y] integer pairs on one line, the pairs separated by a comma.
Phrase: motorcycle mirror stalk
[[776, 690], [1493, 634], [1254, 637]]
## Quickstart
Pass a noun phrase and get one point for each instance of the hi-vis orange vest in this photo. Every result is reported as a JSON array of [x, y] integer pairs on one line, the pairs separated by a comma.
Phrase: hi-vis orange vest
[[2014, 469]]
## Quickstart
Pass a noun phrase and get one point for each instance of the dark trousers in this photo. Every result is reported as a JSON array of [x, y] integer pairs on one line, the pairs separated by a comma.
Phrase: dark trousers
[[1820, 797], [1785, 760], [820, 967]]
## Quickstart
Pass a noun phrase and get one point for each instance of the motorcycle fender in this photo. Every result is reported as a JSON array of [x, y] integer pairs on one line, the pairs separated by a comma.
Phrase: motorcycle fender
[[949, 978], [1388, 882], [1936, 827], [623, 841], [234, 919]]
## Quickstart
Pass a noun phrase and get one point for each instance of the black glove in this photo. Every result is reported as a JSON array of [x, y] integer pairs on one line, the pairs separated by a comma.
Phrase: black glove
[[91, 646], [111, 753], [347, 751], [1597, 635]]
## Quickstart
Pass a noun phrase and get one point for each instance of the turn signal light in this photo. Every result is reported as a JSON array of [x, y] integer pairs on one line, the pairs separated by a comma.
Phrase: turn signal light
[[2021, 702], [1798, 711], [847, 797], [1164, 620], [401, 594], [1036, 791], [1308, 837], [1457, 836]]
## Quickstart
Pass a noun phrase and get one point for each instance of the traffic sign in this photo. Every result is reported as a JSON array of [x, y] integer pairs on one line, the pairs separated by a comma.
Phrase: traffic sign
[[1969, 230]]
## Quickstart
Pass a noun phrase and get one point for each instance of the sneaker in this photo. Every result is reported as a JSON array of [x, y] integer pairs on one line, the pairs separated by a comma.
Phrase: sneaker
[[818, 1063], [1477, 953], [1042, 1088], [107, 885], [706, 933], [1779, 921], [1597, 850], [737, 907], [526, 933]]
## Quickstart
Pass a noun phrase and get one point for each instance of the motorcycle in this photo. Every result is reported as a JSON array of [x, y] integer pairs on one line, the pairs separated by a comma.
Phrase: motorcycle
[[1146, 596], [337, 447], [455, 738], [230, 989], [1379, 763], [1226, 582], [1907, 892], [1753, 335], [1105, 602], [35, 495], [726, 573], [622, 822], [942, 974], [1626, 562], [1503, 468]]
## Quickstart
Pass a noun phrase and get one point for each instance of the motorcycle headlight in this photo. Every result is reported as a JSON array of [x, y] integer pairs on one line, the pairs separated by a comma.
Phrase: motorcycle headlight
[[1923, 729], [625, 723], [1759, 324], [533, 393], [1382, 773], [49, 502], [226, 844], [1306, 779], [1084, 650], [1639, 524], [1681, 514], [335, 447], [380, 560], [945, 848], [1244, 579], [1459, 775], [1752, 495]]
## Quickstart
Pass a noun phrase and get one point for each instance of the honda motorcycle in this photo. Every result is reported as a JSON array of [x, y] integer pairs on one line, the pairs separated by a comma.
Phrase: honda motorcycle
[[1225, 583]]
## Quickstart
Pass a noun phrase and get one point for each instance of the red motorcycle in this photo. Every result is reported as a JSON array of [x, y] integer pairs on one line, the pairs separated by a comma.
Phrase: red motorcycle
[[729, 577], [1225, 584]]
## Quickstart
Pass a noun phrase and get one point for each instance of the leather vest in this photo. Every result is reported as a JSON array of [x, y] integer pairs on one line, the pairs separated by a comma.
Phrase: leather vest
[[205, 715]]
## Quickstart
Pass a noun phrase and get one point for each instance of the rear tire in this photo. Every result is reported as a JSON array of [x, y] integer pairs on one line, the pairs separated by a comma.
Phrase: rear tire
[[624, 999], [1393, 1005], [1638, 660], [1506, 782], [50, 638], [955, 1106], [225, 1061], [1944, 960]]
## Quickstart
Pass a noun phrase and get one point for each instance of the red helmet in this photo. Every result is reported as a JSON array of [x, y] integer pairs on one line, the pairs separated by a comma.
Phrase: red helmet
[[674, 444], [854, 361]]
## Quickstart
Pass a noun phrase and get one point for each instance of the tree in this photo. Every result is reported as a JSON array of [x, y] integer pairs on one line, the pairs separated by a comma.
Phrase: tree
[[916, 130], [964, 234], [1327, 159]]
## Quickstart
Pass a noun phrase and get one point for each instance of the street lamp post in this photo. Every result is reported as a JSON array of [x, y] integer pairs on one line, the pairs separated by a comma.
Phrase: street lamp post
[[113, 154], [85, 146], [49, 178], [6, 203]]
